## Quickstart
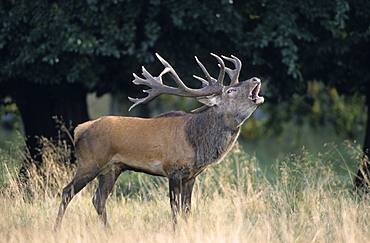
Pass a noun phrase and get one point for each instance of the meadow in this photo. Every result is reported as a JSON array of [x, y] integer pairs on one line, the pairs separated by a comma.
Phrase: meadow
[[306, 197]]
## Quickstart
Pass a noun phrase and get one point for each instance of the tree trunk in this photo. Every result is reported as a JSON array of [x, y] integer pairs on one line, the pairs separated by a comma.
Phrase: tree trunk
[[39, 103], [362, 180]]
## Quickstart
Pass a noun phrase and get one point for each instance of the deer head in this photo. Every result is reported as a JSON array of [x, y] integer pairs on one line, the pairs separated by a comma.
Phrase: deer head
[[239, 99]]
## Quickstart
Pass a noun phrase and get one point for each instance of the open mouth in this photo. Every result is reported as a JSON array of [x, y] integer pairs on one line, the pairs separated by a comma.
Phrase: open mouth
[[254, 94]]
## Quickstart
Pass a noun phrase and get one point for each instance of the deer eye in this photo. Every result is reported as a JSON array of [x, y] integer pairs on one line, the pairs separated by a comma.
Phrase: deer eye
[[229, 91]]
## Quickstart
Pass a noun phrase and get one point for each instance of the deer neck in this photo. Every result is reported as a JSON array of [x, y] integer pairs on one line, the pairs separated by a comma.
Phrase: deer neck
[[211, 135]]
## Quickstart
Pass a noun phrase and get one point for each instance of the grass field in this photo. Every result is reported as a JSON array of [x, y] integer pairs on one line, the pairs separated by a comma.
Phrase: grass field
[[306, 200]]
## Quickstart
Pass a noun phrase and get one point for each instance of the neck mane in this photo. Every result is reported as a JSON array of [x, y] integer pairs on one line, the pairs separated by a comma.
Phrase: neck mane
[[211, 136]]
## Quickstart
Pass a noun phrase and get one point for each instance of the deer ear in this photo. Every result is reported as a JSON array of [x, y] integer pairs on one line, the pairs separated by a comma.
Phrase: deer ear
[[209, 100]]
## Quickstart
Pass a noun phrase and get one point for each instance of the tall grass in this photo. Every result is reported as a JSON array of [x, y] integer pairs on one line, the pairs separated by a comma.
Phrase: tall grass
[[306, 201]]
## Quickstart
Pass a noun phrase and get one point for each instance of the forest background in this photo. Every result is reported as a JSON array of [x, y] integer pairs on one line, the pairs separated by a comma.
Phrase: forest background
[[291, 176], [313, 58]]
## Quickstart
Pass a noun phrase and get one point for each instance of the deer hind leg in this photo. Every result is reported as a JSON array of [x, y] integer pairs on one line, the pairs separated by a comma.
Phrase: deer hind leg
[[106, 184], [82, 177]]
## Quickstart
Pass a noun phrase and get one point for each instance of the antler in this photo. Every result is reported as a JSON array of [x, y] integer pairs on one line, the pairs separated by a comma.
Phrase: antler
[[212, 86]]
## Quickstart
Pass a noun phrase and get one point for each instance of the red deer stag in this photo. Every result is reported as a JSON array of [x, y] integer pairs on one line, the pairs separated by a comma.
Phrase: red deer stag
[[176, 145]]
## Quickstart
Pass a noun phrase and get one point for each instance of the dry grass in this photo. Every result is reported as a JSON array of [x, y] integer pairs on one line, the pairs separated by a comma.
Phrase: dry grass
[[233, 202]]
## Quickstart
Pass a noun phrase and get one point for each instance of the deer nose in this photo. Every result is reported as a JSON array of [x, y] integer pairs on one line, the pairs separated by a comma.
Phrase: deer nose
[[256, 80]]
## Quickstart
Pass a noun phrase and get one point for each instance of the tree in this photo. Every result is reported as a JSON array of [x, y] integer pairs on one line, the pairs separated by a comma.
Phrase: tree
[[311, 40], [54, 53]]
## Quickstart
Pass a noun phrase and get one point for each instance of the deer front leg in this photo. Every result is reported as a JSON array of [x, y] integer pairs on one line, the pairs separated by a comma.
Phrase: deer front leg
[[186, 192], [175, 190]]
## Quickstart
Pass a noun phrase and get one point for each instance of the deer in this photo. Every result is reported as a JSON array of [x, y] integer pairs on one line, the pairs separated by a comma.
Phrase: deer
[[176, 145]]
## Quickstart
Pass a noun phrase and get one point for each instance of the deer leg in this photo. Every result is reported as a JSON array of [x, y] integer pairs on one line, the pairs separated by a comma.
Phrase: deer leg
[[80, 180], [186, 191], [106, 184], [175, 189]]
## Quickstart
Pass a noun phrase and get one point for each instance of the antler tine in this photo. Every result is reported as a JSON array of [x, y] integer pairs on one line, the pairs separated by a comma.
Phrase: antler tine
[[233, 73], [221, 75], [173, 73], [210, 80], [152, 93]]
